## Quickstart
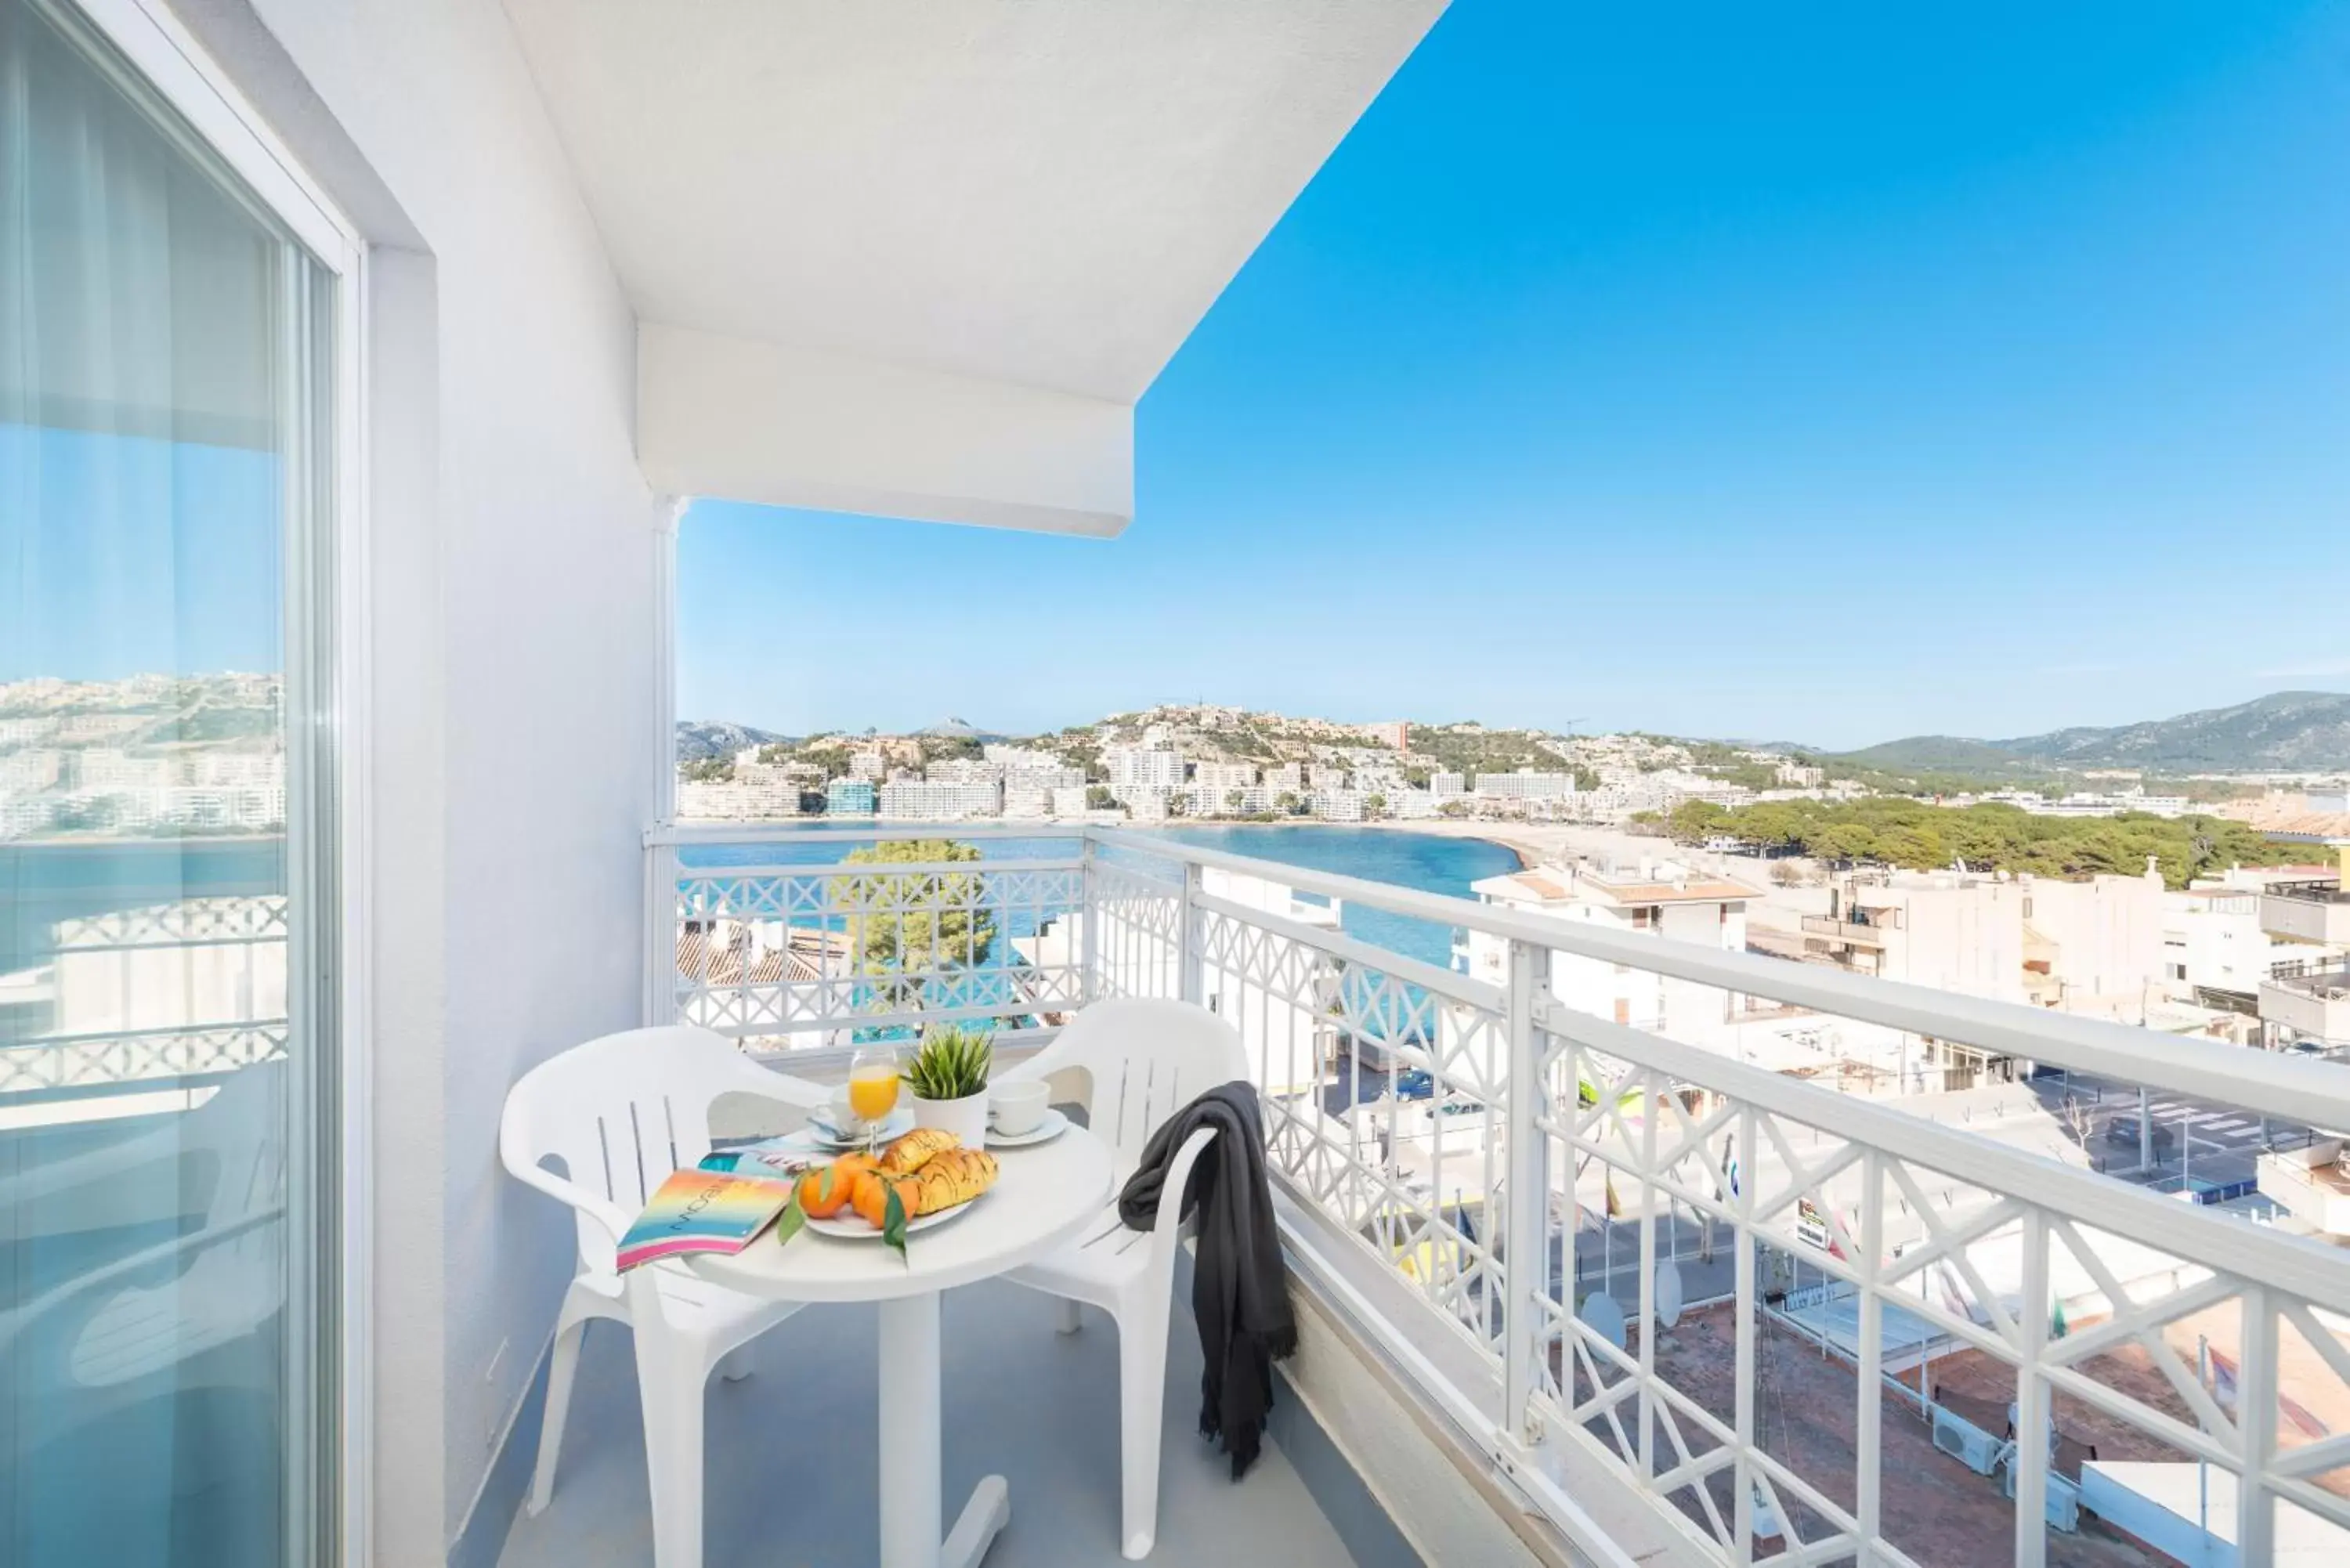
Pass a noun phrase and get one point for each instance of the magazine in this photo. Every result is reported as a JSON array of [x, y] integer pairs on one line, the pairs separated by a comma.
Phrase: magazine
[[702, 1212]]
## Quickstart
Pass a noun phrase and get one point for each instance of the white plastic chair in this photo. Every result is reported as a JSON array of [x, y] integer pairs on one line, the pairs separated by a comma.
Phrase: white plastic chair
[[1146, 1060], [196, 1311], [623, 1113]]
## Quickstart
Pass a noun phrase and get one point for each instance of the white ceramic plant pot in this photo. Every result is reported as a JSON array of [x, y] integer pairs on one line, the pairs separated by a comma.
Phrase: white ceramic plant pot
[[965, 1117]]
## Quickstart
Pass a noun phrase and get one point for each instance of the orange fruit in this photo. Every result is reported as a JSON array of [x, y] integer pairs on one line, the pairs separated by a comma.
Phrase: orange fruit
[[870, 1196], [843, 1174]]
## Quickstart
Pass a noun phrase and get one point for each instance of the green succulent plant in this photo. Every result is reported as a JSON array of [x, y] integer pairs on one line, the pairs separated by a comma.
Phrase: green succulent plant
[[951, 1062]]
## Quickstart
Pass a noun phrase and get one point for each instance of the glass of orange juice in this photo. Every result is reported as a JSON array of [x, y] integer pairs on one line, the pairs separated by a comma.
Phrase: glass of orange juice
[[873, 1077]]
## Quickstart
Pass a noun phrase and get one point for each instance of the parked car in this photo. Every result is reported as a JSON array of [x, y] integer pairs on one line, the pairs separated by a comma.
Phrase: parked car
[[1414, 1084], [2122, 1132]]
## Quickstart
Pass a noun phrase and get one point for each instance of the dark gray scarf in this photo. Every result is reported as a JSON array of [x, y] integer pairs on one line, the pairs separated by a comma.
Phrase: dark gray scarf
[[1239, 1290]]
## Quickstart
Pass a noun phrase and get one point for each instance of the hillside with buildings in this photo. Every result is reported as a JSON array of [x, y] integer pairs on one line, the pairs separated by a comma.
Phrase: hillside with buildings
[[1202, 761], [1889, 805]]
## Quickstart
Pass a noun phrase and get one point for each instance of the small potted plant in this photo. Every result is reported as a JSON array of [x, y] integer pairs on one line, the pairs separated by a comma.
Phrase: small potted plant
[[949, 1077]]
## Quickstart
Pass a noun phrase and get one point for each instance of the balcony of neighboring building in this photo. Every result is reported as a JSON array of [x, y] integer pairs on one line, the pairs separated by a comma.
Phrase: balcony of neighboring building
[[2313, 1005], [2312, 911], [1859, 933], [2311, 1184]]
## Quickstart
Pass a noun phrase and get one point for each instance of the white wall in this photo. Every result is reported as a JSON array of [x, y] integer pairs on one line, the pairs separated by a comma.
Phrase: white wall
[[2108, 937], [513, 606]]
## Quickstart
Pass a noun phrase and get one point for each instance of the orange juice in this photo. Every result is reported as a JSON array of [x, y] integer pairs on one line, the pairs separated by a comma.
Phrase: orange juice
[[873, 1092]]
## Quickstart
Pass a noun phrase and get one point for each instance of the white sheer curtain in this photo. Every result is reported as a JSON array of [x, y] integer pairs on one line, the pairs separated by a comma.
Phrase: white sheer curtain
[[148, 312]]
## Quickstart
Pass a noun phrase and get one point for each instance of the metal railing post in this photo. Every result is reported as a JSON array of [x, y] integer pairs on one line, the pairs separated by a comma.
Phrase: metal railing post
[[2032, 1407], [1525, 1251], [1191, 938], [1089, 921]]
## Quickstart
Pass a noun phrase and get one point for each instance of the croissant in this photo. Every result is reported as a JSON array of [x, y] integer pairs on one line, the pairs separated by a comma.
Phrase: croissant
[[948, 1177], [916, 1149]]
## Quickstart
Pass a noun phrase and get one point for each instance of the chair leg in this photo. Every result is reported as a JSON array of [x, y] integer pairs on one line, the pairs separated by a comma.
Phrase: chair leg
[[1141, 1399], [1068, 1321], [669, 1384], [735, 1365], [561, 1364]]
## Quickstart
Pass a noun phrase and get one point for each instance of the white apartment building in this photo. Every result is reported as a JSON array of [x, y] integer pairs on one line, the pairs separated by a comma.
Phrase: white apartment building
[[2094, 946], [100, 770], [2212, 941], [1046, 779], [1526, 784], [1288, 777], [931, 800], [1444, 786], [2084, 803], [2102, 942], [1224, 775], [964, 770], [1338, 805], [1411, 805], [737, 800], [1147, 804], [1667, 900], [100, 726], [1143, 767], [1068, 800], [870, 766], [26, 772], [1026, 804], [1012, 759], [237, 770]]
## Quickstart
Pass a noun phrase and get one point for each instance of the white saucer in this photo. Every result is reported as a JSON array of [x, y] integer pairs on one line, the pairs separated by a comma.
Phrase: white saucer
[[854, 1228], [1053, 1125], [816, 1135]]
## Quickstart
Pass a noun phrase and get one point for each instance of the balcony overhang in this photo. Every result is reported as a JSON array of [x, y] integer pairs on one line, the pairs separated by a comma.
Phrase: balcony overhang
[[923, 261]]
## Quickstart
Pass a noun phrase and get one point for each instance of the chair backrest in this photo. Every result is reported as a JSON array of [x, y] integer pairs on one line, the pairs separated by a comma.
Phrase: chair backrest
[[623, 1111], [1147, 1060]]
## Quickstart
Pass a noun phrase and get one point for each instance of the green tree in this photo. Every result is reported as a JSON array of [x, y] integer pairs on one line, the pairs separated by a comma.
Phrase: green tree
[[1376, 805], [1288, 805], [1098, 798], [911, 930]]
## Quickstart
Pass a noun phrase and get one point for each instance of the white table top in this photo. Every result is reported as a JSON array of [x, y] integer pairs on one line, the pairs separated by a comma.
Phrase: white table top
[[1042, 1198]]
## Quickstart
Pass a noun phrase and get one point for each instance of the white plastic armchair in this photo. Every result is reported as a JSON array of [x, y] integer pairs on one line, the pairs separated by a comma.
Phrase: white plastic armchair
[[197, 1310], [621, 1113], [1144, 1060]]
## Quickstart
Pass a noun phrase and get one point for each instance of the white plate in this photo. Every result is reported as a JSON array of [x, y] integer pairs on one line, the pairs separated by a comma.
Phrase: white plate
[[899, 1122], [854, 1228], [1053, 1125]]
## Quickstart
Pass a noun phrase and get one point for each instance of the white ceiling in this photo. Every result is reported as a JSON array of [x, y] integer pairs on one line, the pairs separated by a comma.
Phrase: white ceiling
[[1048, 193]]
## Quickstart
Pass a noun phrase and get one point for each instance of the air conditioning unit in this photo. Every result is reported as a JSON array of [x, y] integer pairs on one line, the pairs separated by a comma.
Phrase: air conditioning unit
[[2063, 1508], [1965, 1442]]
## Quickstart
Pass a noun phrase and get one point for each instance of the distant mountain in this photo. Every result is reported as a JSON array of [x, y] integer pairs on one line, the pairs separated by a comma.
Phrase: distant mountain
[[699, 740], [2286, 732], [1940, 753], [959, 730]]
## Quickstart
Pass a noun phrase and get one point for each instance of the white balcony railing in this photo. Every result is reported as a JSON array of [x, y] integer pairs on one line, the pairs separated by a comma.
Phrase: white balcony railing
[[1779, 1318]]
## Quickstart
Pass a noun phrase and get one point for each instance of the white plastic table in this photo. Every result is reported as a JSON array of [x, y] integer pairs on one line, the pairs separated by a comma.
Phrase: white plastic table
[[1042, 1197]]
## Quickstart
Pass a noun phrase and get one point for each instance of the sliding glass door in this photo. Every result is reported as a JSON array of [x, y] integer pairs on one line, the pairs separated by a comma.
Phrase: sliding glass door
[[167, 841]]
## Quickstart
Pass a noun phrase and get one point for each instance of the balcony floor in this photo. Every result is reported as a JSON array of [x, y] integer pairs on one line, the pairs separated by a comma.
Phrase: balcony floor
[[792, 1452]]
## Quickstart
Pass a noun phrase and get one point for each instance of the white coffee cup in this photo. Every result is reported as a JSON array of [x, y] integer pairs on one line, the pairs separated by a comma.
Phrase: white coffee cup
[[843, 1119], [1018, 1106]]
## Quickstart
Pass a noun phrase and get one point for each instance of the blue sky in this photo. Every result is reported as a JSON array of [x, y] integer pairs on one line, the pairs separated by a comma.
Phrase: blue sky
[[130, 555], [1828, 372]]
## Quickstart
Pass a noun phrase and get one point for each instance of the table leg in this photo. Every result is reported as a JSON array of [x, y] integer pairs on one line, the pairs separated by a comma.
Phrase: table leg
[[911, 1451]]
